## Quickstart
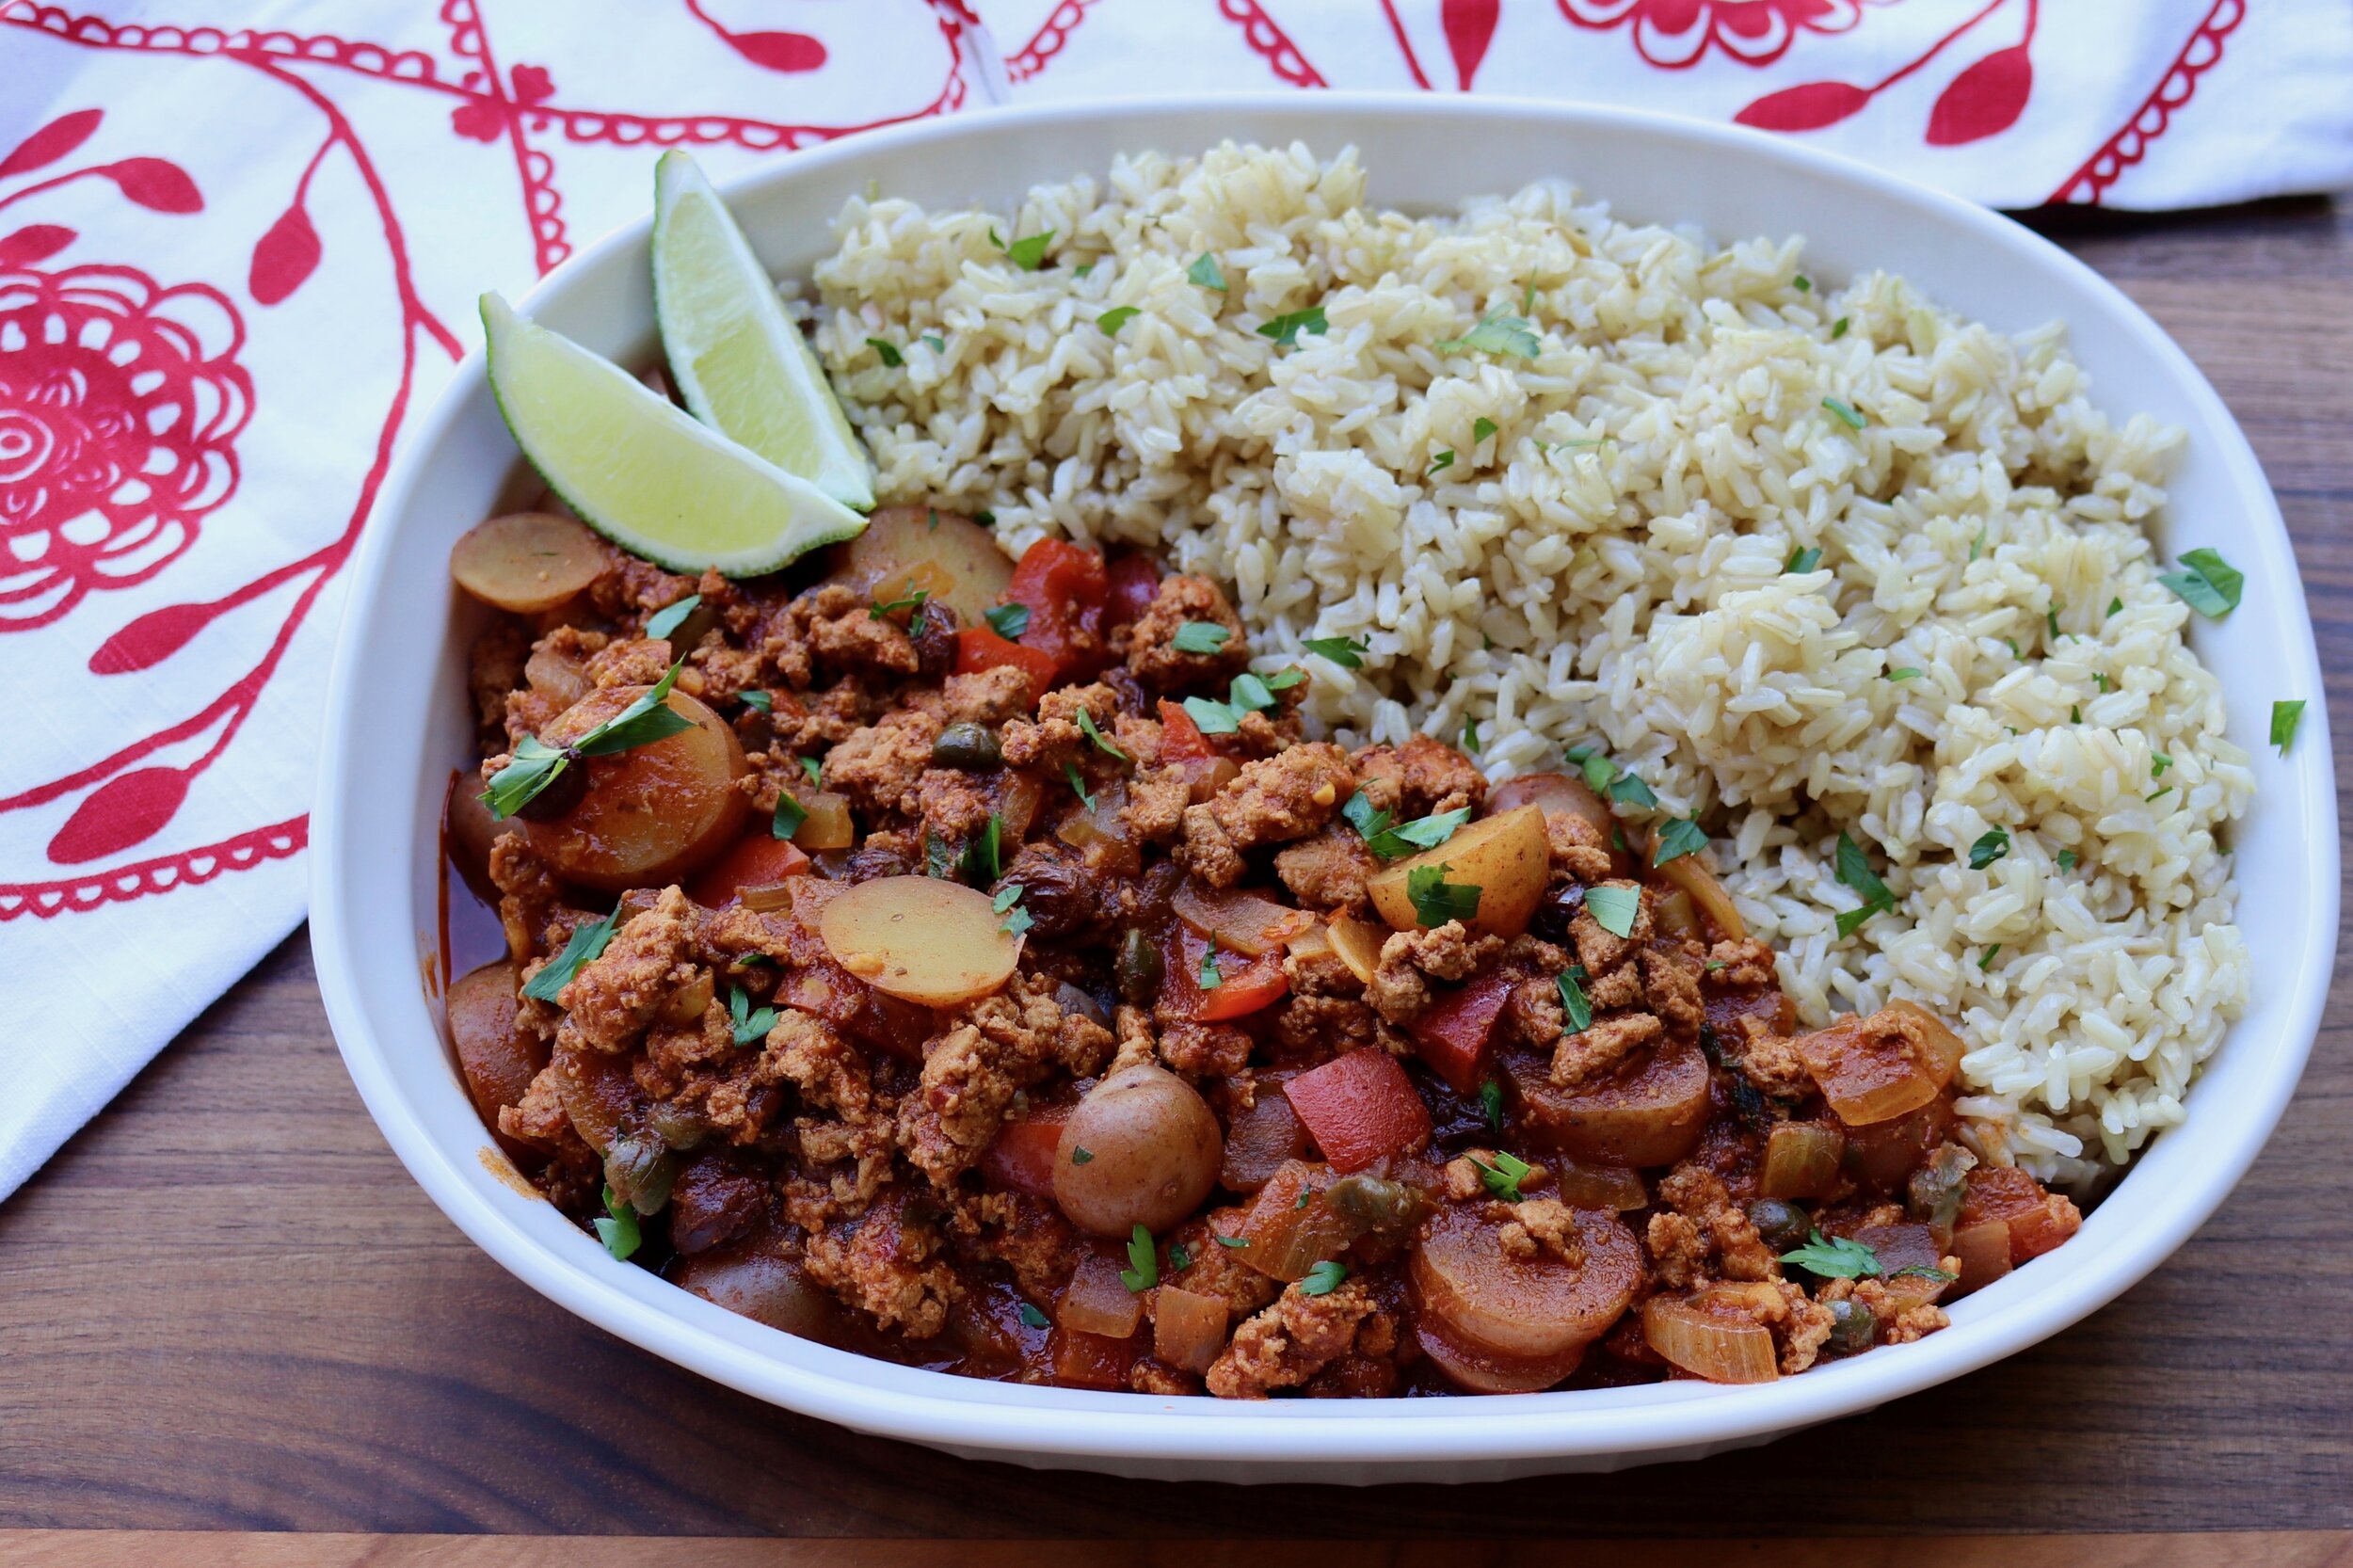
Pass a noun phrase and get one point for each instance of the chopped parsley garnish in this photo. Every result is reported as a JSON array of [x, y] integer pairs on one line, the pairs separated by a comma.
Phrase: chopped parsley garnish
[[1988, 848], [1027, 251], [749, 1024], [1491, 1103], [668, 618], [2074, 713], [1143, 1269], [2050, 620], [2100, 680], [1008, 620], [1206, 273], [1802, 283], [1086, 728], [986, 518], [1285, 329], [2285, 716], [1083, 268], [984, 857], [2160, 795], [1229, 1241], [536, 765], [618, 1230], [1008, 904], [1200, 636], [1078, 784], [2158, 762], [1838, 329], [1250, 691], [1497, 332], [1630, 791], [1322, 1279], [1613, 908], [1179, 1257], [1305, 1198], [1437, 901], [760, 702], [2067, 860], [1480, 429], [1082, 1155], [887, 353], [1111, 321], [1347, 653], [815, 769], [1855, 871], [1848, 414], [1210, 976], [1805, 560], [914, 601], [1907, 673], [1976, 545], [1502, 1179], [1985, 959], [1679, 838], [1396, 842], [2114, 606], [935, 343], [787, 818], [1211, 718], [1443, 460], [2206, 583], [1835, 1259], [584, 947], [1574, 1001], [1035, 1318], [1469, 743], [937, 859]]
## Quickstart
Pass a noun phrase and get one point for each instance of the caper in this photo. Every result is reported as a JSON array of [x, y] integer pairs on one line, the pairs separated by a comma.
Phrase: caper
[[967, 746], [1369, 1203], [1853, 1327], [1137, 970], [1782, 1225], [639, 1169], [1934, 1195]]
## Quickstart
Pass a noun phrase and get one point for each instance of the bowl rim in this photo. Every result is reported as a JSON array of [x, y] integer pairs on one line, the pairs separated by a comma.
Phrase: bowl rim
[[943, 1410]]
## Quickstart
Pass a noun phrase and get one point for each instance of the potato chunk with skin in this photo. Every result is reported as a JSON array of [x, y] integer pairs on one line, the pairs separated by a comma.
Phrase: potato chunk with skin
[[920, 938], [527, 562], [649, 815], [1507, 858]]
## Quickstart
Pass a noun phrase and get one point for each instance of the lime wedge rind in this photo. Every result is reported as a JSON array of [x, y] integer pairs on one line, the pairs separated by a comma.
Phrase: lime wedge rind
[[651, 478], [735, 356]]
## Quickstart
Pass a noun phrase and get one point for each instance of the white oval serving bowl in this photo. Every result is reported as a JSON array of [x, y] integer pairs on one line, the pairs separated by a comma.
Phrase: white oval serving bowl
[[396, 723]]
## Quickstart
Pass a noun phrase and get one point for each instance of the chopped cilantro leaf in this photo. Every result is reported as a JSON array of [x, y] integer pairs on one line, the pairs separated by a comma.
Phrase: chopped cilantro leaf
[[1229, 1241], [1497, 332], [1443, 460], [1285, 329], [787, 818], [1502, 1179], [1212, 976], [1838, 329], [1086, 728], [1200, 636], [1347, 653], [2067, 860], [1805, 560], [1615, 909], [1035, 1318], [1985, 959], [2206, 583], [1436, 901], [2158, 762], [1322, 1279], [1802, 283], [749, 1025], [1078, 784], [1081, 1156], [1211, 718], [1480, 429], [815, 769], [1028, 252], [1630, 791], [889, 354], [1143, 1269], [1990, 847], [1847, 412], [936, 344], [1679, 838], [1573, 1001], [760, 702], [1250, 692], [619, 1230], [1111, 321], [1008, 620], [2285, 716], [1835, 1259], [1491, 1104], [1907, 673], [1396, 843], [914, 601], [667, 620], [1207, 272], [585, 945]]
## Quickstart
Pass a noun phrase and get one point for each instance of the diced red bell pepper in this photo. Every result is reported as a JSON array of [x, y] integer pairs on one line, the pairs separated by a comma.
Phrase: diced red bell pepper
[[1245, 984], [1181, 740], [1022, 1158], [1065, 587], [1134, 583], [756, 860], [1092, 1360], [2037, 1220], [1452, 1035], [978, 648], [1360, 1108]]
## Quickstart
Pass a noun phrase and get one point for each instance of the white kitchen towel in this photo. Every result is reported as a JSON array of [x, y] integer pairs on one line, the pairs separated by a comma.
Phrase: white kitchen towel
[[239, 254]]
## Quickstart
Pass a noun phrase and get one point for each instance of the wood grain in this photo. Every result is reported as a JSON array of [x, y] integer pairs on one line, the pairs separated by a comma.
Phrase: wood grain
[[233, 1549], [225, 1307]]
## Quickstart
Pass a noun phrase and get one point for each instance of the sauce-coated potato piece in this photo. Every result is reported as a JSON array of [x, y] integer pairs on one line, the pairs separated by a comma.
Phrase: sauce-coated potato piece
[[497, 1060], [907, 550], [751, 1280], [1141, 1149], [921, 939], [650, 815], [1534, 1307], [1507, 858], [527, 562]]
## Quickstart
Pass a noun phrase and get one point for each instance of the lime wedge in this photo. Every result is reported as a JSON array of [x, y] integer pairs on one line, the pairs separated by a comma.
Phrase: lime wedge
[[743, 367], [639, 472]]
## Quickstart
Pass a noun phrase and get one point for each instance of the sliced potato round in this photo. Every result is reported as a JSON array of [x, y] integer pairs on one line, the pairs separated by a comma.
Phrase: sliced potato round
[[527, 562], [921, 939], [497, 1060], [653, 814], [1507, 858], [1536, 1306], [1653, 1116], [946, 555]]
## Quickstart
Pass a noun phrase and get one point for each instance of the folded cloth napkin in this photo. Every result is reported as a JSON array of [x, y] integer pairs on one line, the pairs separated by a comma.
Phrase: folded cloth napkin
[[236, 260]]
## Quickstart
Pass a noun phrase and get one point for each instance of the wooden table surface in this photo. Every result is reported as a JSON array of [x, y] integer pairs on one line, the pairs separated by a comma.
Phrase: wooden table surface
[[225, 1308]]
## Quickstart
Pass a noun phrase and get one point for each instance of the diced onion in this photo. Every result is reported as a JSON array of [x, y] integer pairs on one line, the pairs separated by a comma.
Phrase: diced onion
[[1242, 922], [1983, 1250], [1611, 1187], [1706, 1345], [1800, 1159], [1865, 1071], [1286, 1238], [1944, 1048], [1097, 1301], [827, 823], [1707, 896], [1188, 1328], [1358, 943]]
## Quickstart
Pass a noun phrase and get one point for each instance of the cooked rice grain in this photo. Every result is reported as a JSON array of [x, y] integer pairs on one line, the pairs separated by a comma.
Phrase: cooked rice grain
[[1610, 567]]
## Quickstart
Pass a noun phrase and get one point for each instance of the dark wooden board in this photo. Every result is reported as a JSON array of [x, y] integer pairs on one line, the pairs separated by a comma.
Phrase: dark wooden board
[[225, 1307]]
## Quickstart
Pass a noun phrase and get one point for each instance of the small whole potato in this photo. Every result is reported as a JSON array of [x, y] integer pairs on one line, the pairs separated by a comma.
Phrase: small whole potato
[[1141, 1149]]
